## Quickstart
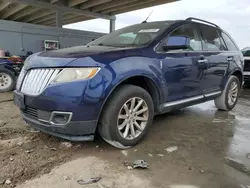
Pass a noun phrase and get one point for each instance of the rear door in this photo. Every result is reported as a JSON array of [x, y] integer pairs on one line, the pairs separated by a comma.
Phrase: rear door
[[233, 53], [215, 60]]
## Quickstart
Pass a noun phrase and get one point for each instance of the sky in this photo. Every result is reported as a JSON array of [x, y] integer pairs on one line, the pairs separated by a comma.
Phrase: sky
[[231, 15]]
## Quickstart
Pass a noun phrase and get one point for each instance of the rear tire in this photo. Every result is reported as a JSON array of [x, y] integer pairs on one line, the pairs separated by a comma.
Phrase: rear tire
[[229, 97], [7, 80], [120, 125]]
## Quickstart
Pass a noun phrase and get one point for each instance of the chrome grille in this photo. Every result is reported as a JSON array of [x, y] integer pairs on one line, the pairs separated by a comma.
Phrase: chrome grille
[[20, 79], [37, 80]]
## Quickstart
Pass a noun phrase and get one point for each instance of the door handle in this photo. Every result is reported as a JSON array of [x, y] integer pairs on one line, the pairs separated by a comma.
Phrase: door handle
[[230, 59], [202, 61]]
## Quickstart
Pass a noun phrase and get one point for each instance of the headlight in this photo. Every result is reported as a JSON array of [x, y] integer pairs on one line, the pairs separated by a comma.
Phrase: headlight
[[74, 74]]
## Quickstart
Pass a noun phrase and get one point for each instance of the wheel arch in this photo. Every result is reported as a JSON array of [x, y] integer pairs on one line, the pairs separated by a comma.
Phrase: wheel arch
[[143, 81], [239, 75], [10, 68]]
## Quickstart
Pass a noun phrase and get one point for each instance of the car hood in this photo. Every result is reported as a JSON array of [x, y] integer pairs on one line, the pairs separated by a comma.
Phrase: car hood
[[66, 57]]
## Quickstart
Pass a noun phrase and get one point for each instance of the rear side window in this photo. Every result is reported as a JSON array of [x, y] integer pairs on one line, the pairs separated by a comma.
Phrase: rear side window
[[230, 44], [210, 38]]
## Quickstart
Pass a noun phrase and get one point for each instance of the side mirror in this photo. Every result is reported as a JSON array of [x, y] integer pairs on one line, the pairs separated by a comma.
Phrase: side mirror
[[176, 43]]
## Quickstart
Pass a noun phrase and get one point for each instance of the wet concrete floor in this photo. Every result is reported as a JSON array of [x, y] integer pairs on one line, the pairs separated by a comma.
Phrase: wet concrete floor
[[210, 149]]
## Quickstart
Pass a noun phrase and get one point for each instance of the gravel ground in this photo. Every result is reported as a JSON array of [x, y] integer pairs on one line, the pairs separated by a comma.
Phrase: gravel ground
[[192, 148]]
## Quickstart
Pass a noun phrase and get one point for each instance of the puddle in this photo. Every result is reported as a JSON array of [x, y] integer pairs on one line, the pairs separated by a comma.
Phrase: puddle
[[237, 152]]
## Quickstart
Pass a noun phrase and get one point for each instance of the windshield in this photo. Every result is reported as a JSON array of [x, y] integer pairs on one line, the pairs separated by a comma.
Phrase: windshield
[[136, 35]]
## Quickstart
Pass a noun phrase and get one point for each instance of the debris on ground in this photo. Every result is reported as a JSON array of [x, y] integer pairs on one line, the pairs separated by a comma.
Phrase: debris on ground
[[8, 182], [28, 151], [124, 152], [150, 155], [135, 150], [171, 149], [77, 146], [97, 146], [201, 171], [140, 164], [136, 164], [89, 181], [20, 143], [130, 167], [31, 130], [160, 155], [66, 177], [52, 149], [11, 159], [65, 145]]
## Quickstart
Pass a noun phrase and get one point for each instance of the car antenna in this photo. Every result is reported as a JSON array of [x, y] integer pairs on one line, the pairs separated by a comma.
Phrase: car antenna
[[145, 21]]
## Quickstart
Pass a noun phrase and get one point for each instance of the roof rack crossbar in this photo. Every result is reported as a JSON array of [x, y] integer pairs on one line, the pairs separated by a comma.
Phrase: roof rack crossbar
[[200, 20]]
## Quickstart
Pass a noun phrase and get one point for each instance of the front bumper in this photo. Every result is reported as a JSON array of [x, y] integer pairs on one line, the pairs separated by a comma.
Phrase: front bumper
[[73, 131], [37, 111]]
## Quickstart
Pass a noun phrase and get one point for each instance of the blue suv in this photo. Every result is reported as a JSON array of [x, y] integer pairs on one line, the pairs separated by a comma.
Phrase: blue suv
[[116, 84]]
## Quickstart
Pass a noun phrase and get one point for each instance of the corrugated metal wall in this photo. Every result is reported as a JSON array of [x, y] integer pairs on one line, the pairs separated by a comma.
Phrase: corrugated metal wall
[[19, 38]]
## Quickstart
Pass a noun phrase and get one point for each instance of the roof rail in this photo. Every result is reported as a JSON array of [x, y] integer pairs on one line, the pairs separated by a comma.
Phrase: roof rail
[[200, 20]]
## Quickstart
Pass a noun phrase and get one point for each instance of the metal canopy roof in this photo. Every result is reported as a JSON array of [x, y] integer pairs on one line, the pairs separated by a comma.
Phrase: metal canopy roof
[[45, 12]]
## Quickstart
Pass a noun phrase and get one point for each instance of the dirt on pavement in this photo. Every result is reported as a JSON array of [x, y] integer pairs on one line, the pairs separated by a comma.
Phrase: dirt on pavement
[[24, 153], [210, 152]]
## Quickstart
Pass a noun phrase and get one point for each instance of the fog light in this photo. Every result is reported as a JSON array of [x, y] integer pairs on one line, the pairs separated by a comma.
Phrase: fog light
[[60, 118]]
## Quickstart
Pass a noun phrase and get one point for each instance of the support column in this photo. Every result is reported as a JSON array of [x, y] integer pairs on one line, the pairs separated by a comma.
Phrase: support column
[[59, 19], [112, 25]]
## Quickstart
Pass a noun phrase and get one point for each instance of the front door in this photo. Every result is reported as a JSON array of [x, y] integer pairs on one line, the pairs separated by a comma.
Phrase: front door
[[181, 68]]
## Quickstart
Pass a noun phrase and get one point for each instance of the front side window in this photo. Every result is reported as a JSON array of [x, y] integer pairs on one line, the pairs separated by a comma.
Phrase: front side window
[[187, 31], [230, 44], [210, 39], [136, 35]]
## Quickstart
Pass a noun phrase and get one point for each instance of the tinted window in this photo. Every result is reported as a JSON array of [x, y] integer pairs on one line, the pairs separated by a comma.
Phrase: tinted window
[[246, 53], [190, 32], [210, 39], [230, 44]]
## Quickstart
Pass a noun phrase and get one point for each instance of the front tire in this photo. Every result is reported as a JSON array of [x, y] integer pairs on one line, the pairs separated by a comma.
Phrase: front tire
[[7, 80], [229, 97], [126, 116]]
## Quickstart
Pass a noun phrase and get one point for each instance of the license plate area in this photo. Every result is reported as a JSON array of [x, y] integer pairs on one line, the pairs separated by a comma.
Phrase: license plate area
[[19, 100]]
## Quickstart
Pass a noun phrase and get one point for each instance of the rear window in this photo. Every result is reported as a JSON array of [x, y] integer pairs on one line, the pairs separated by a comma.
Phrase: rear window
[[230, 44], [210, 38]]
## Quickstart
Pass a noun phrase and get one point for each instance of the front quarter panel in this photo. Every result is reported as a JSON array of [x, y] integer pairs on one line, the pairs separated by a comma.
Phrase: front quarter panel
[[113, 73]]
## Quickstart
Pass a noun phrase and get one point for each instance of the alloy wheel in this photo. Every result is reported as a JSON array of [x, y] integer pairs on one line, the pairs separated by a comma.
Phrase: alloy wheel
[[133, 118], [233, 93]]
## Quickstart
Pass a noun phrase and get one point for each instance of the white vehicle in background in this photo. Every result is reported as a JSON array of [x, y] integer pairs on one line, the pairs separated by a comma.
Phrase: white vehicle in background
[[246, 54]]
